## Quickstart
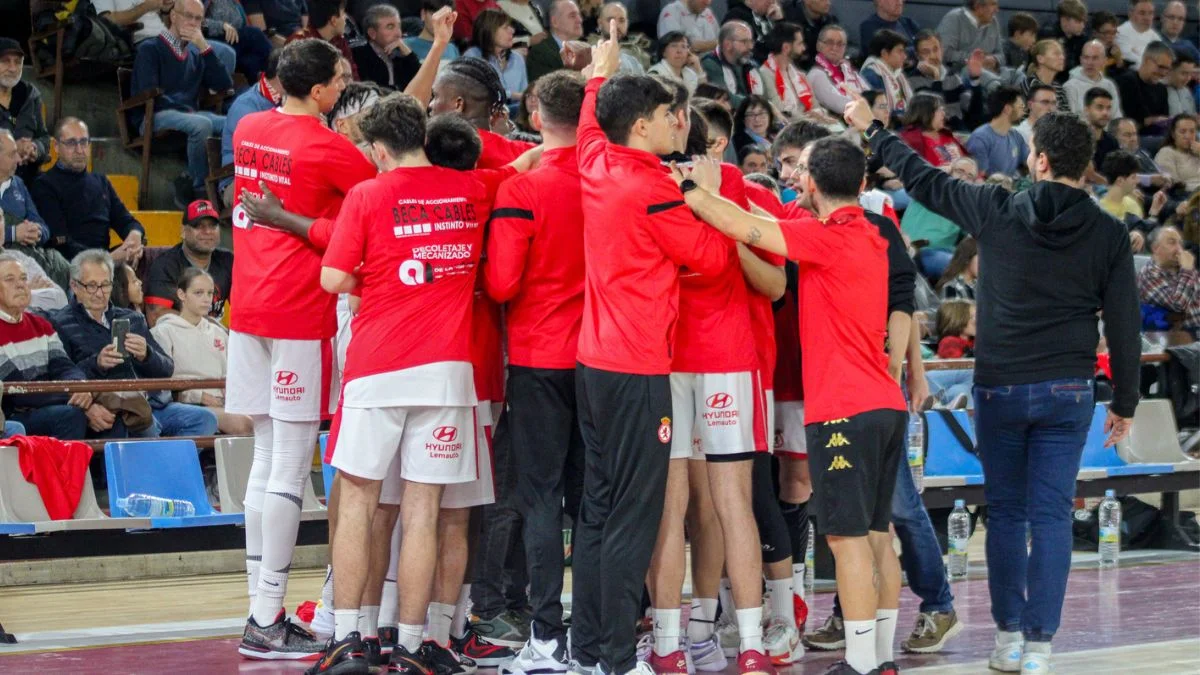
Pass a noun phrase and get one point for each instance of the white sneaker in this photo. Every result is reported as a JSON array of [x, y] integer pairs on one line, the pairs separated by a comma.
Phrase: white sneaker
[[575, 668], [322, 623], [727, 635], [1006, 657], [642, 668], [1036, 662], [782, 642], [645, 646], [538, 656], [706, 655]]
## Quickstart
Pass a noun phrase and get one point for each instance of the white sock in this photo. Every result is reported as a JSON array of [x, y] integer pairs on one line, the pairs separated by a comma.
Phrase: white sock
[[458, 625], [409, 637], [389, 604], [702, 620], [256, 489], [860, 645], [327, 589], [885, 634], [368, 621], [345, 622], [291, 464], [781, 600], [798, 573], [440, 616], [666, 631], [725, 595], [749, 623]]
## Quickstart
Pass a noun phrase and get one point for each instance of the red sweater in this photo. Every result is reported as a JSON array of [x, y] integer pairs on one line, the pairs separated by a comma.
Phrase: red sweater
[[954, 347]]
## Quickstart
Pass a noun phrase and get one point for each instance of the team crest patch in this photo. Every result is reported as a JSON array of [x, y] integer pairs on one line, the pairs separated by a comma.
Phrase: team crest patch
[[664, 430]]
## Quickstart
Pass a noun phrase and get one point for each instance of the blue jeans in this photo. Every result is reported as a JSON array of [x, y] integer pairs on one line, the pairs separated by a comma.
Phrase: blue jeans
[[181, 419], [1031, 438], [944, 385], [199, 127], [62, 421], [12, 428], [921, 554]]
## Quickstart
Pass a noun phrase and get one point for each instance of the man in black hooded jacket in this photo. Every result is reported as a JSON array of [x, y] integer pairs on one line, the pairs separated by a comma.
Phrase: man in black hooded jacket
[[1049, 261]]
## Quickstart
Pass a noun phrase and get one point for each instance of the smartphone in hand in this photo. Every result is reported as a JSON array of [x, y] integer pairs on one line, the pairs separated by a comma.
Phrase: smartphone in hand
[[120, 329]]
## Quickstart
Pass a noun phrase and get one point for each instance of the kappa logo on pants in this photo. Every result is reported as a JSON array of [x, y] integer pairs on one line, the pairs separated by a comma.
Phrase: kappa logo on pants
[[837, 440], [839, 463]]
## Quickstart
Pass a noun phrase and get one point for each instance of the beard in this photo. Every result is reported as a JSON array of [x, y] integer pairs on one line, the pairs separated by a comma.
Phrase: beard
[[10, 82]]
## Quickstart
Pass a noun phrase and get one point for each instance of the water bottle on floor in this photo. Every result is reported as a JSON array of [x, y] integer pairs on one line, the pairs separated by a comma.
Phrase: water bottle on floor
[[1110, 529], [810, 565], [149, 506], [958, 531], [916, 450]]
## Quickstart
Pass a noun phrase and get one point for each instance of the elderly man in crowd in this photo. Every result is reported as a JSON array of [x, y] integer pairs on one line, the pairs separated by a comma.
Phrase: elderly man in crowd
[[31, 352], [79, 206], [730, 66], [1170, 280], [24, 230], [385, 59], [21, 111], [965, 29], [87, 327], [1089, 74], [1138, 32], [566, 24]]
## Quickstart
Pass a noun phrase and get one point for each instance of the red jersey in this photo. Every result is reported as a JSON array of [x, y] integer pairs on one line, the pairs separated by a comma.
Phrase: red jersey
[[762, 315], [535, 261], [789, 385], [498, 150], [415, 236], [714, 317], [637, 234], [276, 275], [843, 314]]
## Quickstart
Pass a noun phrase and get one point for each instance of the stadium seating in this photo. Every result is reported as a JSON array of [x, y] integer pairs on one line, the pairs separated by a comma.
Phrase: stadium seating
[[1096, 456], [945, 457], [1155, 438], [327, 470], [234, 456], [21, 503], [163, 468]]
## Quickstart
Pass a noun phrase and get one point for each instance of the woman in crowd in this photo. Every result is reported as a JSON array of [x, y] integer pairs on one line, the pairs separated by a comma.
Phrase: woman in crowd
[[492, 41], [1047, 62], [675, 61], [127, 288], [883, 177], [529, 23], [925, 131], [754, 159], [834, 80], [1179, 155], [197, 344], [884, 69], [754, 123], [958, 281]]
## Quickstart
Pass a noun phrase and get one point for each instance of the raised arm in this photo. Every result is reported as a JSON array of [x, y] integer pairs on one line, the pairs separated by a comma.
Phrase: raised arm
[[421, 86]]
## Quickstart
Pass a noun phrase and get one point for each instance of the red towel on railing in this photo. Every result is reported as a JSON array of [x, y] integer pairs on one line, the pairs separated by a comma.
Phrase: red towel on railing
[[57, 468]]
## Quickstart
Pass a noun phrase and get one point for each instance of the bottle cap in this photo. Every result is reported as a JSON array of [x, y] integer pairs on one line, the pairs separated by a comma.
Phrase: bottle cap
[[959, 503], [1110, 493]]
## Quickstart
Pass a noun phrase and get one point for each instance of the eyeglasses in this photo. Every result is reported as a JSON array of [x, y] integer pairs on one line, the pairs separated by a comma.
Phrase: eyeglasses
[[756, 115], [76, 143], [92, 288], [834, 43], [190, 17]]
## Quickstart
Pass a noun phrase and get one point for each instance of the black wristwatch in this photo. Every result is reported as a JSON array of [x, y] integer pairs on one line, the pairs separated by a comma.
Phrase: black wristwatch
[[687, 185], [875, 128]]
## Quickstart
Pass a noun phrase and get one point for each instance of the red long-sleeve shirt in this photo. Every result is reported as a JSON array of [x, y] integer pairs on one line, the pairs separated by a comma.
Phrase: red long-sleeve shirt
[[762, 314], [637, 234], [535, 261]]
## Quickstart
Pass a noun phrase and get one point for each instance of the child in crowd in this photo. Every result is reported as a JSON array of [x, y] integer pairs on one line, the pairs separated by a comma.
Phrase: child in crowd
[[958, 281], [956, 339], [1022, 35]]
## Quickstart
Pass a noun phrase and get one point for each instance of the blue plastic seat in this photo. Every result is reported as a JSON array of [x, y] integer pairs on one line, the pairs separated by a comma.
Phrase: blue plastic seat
[[327, 470], [162, 468], [1096, 456], [944, 455], [17, 528]]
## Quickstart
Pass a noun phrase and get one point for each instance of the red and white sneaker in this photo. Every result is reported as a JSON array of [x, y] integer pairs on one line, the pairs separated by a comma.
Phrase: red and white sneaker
[[674, 663], [754, 662]]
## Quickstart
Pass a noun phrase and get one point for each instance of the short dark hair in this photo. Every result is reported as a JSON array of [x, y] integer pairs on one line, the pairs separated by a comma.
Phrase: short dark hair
[[765, 181], [478, 83], [433, 6], [272, 69], [304, 64], [1158, 48], [718, 116], [925, 34], [1066, 141], [188, 276], [783, 33], [837, 167], [669, 38], [711, 92], [1103, 18], [885, 40], [560, 97], [1000, 98], [397, 121], [353, 97], [921, 110], [797, 135], [1182, 57], [1022, 22], [121, 274], [483, 30], [1041, 86], [1169, 141], [1094, 94], [739, 115], [1072, 9], [697, 140], [451, 142], [625, 99], [321, 12], [753, 149], [64, 121], [1118, 164], [679, 92]]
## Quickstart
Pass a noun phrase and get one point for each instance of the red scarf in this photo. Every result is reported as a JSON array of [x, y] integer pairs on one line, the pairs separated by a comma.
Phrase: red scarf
[[753, 82], [847, 81], [793, 82], [265, 90]]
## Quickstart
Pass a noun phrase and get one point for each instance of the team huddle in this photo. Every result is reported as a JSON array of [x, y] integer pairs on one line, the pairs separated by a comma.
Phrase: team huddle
[[640, 355]]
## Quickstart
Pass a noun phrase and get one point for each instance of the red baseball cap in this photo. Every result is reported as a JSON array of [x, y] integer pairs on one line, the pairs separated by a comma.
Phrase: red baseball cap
[[198, 210]]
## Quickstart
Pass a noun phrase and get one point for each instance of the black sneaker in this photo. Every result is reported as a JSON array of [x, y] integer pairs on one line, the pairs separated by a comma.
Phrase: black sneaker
[[344, 657], [373, 652], [280, 641], [444, 661], [406, 663], [843, 668], [387, 638], [479, 649]]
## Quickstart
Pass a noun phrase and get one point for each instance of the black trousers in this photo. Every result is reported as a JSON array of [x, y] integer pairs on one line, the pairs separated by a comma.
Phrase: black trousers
[[498, 565], [626, 425], [541, 416]]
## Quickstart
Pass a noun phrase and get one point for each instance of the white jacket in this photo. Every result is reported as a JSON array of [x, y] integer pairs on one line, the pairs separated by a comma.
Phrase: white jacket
[[198, 351]]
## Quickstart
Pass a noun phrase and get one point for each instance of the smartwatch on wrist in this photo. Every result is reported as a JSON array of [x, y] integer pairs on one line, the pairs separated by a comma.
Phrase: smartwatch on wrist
[[875, 128], [687, 185]]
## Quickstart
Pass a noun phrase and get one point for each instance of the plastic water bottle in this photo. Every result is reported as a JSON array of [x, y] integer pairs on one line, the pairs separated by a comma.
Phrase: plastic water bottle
[[1110, 529], [916, 450], [149, 506], [959, 533], [810, 564]]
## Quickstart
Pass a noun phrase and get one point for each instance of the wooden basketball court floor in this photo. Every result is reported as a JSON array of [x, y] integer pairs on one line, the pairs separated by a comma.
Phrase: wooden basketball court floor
[[1143, 618]]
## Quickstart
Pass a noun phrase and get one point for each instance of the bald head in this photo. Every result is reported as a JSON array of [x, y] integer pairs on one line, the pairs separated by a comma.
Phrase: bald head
[[736, 40], [186, 17], [611, 11]]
